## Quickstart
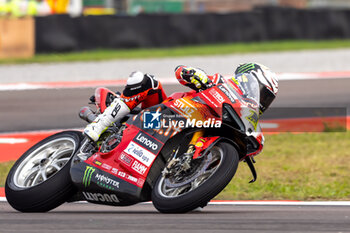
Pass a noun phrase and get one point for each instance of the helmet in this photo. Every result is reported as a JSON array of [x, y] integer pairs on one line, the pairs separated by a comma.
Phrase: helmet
[[268, 82]]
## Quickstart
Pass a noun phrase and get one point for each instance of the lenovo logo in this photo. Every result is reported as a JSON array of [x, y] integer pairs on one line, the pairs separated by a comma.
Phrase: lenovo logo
[[148, 142]]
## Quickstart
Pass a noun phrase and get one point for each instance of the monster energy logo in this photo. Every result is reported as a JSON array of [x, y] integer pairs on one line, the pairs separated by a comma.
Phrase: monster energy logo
[[87, 175], [245, 68]]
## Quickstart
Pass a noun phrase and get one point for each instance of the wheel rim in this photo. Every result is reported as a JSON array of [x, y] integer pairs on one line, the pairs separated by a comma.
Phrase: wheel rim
[[44, 162], [169, 188]]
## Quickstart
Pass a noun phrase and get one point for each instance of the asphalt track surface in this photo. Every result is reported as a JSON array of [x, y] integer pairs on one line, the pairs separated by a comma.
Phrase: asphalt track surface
[[84, 218], [58, 108]]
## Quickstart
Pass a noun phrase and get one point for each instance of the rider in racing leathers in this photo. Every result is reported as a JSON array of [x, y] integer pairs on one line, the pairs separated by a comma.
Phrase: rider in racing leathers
[[145, 89]]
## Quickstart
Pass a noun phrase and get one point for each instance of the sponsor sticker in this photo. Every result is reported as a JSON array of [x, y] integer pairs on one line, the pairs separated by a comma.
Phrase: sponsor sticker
[[114, 171], [101, 180], [140, 154], [140, 182], [227, 93], [125, 158], [139, 167], [185, 107], [88, 175], [253, 118], [97, 163], [106, 166], [99, 197], [129, 178], [148, 142], [217, 96], [133, 179], [106, 182], [121, 174]]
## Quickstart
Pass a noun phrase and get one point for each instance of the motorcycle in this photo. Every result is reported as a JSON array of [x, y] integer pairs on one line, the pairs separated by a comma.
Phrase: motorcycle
[[178, 154]]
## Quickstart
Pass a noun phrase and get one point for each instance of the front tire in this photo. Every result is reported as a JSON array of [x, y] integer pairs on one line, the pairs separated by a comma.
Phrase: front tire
[[171, 195], [40, 180]]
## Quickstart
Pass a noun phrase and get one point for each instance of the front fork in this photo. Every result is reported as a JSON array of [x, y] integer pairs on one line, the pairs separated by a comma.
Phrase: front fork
[[195, 137], [183, 163], [195, 149]]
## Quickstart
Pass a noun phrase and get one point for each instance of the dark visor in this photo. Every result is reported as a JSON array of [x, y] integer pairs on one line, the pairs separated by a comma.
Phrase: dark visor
[[266, 97]]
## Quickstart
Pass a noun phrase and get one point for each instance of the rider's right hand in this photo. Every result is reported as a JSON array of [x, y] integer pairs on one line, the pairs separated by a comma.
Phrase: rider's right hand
[[187, 74], [196, 77]]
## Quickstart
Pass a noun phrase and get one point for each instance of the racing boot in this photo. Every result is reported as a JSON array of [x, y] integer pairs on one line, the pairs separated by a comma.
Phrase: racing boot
[[116, 111]]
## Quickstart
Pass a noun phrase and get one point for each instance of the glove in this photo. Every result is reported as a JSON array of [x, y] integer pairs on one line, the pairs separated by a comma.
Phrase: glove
[[196, 77]]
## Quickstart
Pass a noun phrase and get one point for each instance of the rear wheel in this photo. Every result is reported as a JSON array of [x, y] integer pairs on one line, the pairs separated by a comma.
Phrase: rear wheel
[[183, 191], [40, 181]]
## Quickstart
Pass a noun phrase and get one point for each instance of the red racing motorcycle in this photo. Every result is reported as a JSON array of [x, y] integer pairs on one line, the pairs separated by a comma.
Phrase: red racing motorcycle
[[179, 154]]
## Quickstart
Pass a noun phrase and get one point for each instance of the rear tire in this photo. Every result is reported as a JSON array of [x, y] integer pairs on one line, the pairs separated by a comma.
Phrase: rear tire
[[40, 180], [202, 194]]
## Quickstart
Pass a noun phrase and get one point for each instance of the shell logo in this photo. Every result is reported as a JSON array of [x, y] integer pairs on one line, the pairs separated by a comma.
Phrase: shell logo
[[199, 144]]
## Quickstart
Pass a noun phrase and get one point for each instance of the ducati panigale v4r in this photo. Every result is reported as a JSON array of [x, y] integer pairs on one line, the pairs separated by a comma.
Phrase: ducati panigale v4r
[[178, 154]]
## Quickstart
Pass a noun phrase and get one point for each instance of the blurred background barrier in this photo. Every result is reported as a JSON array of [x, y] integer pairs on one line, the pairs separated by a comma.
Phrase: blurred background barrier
[[17, 37], [59, 33], [74, 25]]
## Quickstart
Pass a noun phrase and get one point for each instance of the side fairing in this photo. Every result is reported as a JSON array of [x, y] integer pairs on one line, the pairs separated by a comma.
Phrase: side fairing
[[121, 173], [124, 171]]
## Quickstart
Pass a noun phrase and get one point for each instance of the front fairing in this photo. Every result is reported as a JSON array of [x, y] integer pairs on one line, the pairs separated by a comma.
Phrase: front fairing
[[246, 89]]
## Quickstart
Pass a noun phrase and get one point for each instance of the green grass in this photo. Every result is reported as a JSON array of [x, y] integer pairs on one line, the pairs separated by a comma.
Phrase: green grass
[[4, 169], [306, 166], [199, 50]]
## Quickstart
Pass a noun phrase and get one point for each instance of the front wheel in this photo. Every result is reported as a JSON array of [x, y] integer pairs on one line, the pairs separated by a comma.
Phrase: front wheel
[[208, 176], [40, 181]]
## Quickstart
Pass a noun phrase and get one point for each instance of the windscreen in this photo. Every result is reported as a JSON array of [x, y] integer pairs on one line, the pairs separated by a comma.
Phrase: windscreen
[[249, 95], [250, 88]]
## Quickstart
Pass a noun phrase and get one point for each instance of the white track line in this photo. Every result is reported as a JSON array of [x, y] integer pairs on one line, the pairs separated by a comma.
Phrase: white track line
[[284, 203], [12, 140], [18, 133], [20, 87]]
